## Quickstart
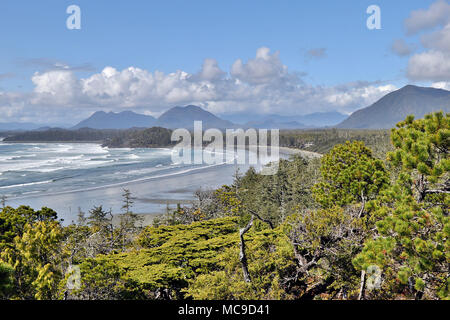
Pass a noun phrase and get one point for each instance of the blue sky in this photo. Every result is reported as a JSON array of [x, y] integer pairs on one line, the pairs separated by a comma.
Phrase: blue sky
[[324, 43]]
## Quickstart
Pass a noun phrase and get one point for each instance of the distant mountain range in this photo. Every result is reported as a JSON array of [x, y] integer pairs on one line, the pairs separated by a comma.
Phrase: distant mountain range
[[24, 126], [111, 120], [313, 120], [274, 124], [384, 113], [177, 117], [396, 106], [184, 117], [12, 126]]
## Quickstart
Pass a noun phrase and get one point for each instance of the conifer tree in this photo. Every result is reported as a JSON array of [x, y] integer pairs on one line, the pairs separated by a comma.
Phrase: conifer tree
[[6, 280], [350, 174], [412, 246]]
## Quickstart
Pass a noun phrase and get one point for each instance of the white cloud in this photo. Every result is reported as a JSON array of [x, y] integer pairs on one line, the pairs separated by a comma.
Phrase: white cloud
[[438, 14], [441, 85], [264, 68], [261, 85], [210, 71], [438, 40], [55, 87], [431, 65], [363, 95]]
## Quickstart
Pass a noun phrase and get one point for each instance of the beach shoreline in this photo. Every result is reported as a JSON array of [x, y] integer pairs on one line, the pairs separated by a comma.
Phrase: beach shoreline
[[154, 194]]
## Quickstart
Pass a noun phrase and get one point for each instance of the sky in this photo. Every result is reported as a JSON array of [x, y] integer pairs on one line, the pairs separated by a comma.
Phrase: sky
[[288, 57]]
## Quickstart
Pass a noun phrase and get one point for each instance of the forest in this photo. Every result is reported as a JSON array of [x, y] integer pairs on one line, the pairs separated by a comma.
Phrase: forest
[[367, 221], [114, 138], [317, 140]]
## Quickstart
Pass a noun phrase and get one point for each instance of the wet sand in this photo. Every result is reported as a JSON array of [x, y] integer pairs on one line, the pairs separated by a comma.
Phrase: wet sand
[[153, 195]]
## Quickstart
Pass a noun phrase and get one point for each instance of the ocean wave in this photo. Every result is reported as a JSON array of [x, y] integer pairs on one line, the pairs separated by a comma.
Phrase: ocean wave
[[85, 158], [26, 184], [124, 183]]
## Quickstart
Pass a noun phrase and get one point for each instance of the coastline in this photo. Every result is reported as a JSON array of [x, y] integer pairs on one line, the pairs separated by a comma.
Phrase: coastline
[[56, 141], [283, 150], [153, 194], [304, 153]]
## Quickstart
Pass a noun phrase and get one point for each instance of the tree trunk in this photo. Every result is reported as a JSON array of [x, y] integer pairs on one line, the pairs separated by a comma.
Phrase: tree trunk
[[242, 255], [362, 288], [363, 205]]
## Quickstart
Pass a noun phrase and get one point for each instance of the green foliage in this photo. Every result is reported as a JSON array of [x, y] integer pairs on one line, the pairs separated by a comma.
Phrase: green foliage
[[132, 138], [206, 206], [147, 138], [325, 242], [173, 254], [323, 140], [13, 221], [6, 280], [98, 219], [270, 259], [36, 258], [101, 279], [272, 197], [412, 246], [421, 151], [312, 235], [350, 174]]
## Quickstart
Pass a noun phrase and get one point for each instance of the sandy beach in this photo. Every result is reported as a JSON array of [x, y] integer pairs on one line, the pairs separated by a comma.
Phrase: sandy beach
[[153, 194]]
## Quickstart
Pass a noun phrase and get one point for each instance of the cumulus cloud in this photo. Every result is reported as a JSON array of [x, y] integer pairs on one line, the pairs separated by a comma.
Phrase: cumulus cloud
[[438, 14], [362, 93], [210, 71], [262, 84], [430, 65], [438, 40], [264, 68], [433, 64], [401, 48], [55, 87]]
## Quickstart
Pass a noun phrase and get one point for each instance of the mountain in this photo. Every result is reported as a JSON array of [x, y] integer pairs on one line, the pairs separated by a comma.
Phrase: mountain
[[112, 120], [273, 124], [396, 106], [18, 126], [184, 117], [313, 120], [322, 119]]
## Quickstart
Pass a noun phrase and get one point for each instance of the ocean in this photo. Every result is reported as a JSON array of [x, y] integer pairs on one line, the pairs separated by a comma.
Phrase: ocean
[[69, 176]]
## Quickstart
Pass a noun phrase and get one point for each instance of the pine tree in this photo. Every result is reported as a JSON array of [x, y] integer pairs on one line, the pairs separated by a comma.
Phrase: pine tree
[[129, 221], [3, 201], [6, 280], [412, 246], [350, 174]]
